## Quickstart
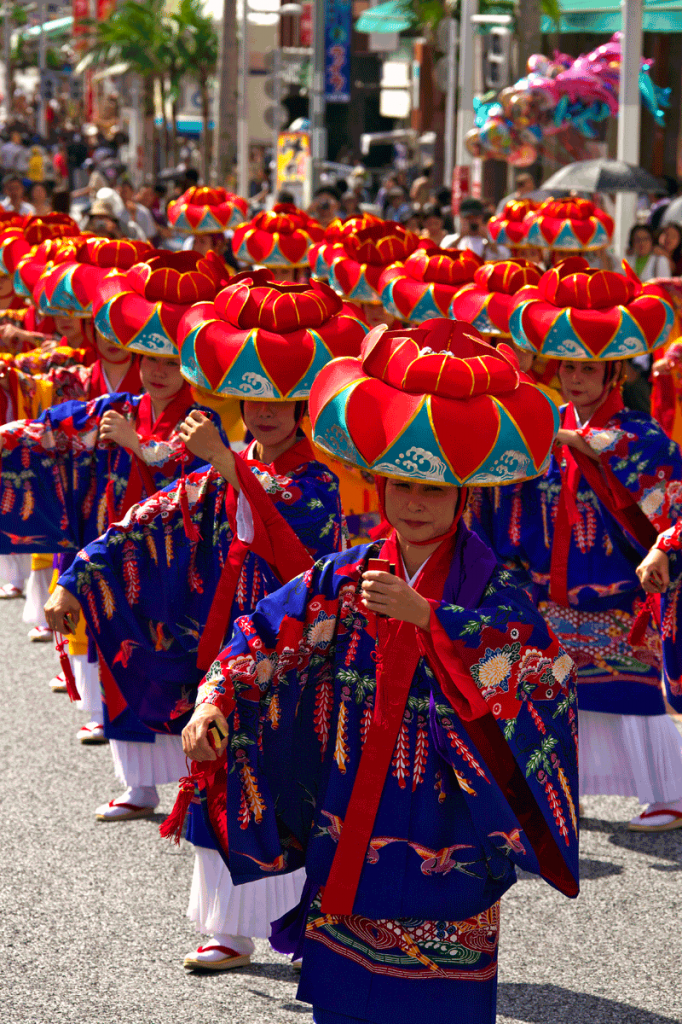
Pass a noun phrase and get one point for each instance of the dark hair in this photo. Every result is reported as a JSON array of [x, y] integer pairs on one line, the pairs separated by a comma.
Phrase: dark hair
[[327, 190], [284, 196], [640, 227], [192, 176], [432, 210], [676, 254], [61, 202], [12, 176]]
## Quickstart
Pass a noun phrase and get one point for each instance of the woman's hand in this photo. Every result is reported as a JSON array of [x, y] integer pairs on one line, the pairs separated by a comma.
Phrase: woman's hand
[[195, 742], [202, 438], [60, 604], [654, 572], [119, 430], [572, 439], [386, 594]]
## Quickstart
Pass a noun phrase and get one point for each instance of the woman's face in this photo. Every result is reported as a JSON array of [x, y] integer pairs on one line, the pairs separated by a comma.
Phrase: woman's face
[[39, 194], [642, 243], [160, 377], [581, 383], [433, 226], [69, 327], [671, 238], [271, 423], [375, 314], [420, 511], [110, 353]]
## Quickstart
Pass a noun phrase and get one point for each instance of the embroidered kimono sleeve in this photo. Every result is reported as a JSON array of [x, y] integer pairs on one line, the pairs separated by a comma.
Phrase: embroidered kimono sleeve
[[523, 726], [644, 460]]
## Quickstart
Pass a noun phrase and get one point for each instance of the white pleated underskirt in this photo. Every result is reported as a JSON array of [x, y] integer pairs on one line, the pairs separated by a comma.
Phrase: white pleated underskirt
[[630, 755], [149, 764], [15, 569], [37, 593], [218, 906], [86, 674]]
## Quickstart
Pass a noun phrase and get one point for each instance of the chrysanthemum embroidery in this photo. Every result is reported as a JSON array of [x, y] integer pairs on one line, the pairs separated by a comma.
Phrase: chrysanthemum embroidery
[[491, 674], [320, 633]]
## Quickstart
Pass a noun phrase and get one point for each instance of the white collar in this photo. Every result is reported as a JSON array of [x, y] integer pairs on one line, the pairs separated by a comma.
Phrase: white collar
[[411, 579]]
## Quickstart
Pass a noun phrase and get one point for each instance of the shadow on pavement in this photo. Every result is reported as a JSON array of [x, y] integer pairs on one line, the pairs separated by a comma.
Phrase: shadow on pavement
[[588, 869], [664, 845], [539, 1004]]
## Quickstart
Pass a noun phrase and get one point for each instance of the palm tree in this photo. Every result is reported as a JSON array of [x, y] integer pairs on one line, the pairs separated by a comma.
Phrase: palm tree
[[133, 35], [195, 42]]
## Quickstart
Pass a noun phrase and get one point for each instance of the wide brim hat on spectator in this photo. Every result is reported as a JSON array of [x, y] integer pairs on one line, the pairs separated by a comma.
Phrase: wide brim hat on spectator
[[577, 313], [406, 406], [206, 211], [279, 238], [140, 309], [17, 242], [511, 227], [68, 288], [266, 339], [355, 273], [568, 225], [33, 264], [424, 285], [487, 302], [322, 254]]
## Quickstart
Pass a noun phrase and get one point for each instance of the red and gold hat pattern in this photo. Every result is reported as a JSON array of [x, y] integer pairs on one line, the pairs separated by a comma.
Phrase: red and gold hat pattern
[[405, 407], [31, 265], [321, 254], [487, 302], [68, 288], [424, 285], [266, 339], [578, 313], [141, 308], [511, 226], [367, 251], [280, 237], [206, 211], [572, 225], [18, 241]]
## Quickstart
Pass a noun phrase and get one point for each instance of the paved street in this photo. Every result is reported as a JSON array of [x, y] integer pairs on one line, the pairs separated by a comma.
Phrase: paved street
[[92, 916]]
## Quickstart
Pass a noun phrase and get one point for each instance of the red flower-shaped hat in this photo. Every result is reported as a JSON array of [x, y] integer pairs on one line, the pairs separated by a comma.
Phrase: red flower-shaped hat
[[206, 211], [321, 254], [68, 288], [141, 309], [367, 252], [578, 313], [33, 263], [424, 285], [266, 339], [405, 408], [281, 237], [571, 225], [17, 242], [487, 302], [511, 226]]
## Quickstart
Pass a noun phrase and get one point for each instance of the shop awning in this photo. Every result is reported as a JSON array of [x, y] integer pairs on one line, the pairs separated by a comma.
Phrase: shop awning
[[49, 28], [395, 16], [604, 16]]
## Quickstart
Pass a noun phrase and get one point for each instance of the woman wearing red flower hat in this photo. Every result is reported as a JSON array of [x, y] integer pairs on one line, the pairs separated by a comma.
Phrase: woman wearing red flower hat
[[614, 483], [253, 521], [416, 689]]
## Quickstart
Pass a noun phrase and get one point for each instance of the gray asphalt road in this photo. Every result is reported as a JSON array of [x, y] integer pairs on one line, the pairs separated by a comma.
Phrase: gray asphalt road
[[92, 924]]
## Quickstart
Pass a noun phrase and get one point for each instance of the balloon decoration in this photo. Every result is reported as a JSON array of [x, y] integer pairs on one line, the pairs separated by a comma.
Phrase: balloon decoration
[[487, 302], [554, 95], [423, 286], [577, 313], [202, 211], [434, 403], [262, 338]]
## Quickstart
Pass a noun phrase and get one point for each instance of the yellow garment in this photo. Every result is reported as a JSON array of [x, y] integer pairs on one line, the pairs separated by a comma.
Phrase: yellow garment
[[78, 642], [552, 393], [41, 562]]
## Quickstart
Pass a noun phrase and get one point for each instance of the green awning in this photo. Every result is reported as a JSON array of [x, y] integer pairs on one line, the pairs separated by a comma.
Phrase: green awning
[[49, 28], [604, 16], [395, 16]]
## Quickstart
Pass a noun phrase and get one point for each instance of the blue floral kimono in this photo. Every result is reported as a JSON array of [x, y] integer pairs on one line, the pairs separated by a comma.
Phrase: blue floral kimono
[[578, 533], [444, 757], [148, 585]]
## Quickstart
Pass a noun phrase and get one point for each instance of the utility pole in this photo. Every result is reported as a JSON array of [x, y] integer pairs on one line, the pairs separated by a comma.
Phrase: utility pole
[[225, 131], [7, 58], [243, 141], [42, 54], [318, 132]]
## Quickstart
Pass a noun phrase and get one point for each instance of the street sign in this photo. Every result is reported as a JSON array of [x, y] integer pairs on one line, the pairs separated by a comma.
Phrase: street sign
[[276, 117]]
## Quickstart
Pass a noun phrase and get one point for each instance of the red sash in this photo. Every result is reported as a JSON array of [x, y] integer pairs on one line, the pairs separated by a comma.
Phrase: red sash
[[608, 489], [274, 540]]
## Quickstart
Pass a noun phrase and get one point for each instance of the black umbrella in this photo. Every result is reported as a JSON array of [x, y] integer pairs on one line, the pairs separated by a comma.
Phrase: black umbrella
[[603, 176]]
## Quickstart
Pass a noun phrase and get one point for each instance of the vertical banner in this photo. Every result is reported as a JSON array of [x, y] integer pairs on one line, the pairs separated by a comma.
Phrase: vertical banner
[[305, 26], [338, 28], [105, 8], [80, 10]]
